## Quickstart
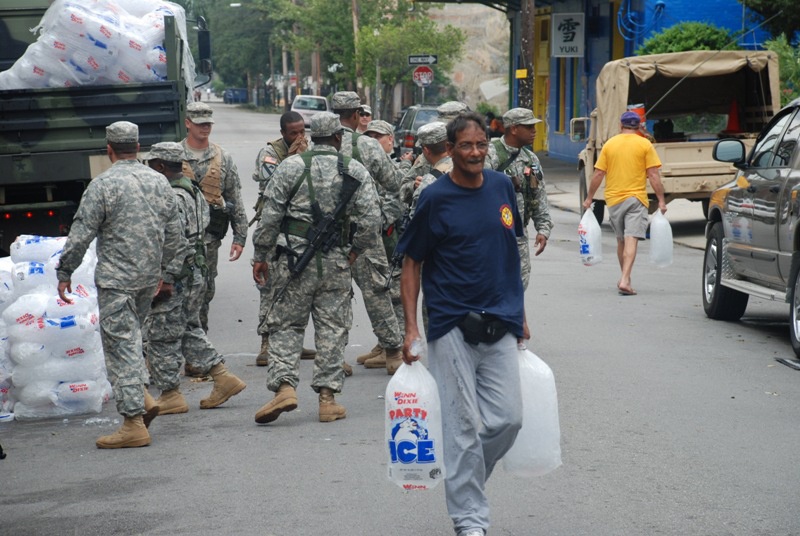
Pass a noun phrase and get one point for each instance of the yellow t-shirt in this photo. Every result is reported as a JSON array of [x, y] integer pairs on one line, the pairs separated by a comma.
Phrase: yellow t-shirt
[[625, 158]]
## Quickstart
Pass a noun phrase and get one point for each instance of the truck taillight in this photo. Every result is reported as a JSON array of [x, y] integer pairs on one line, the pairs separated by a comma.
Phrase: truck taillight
[[409, 141], [51, 213], [29, 214], [6, 216]]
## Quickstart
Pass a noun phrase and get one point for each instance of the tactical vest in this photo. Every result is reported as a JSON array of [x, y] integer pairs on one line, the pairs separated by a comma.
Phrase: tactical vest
[[211, 183], [521, 184], [211, 187], [281, 151], [198, 260], [356, 154], [300, 228]]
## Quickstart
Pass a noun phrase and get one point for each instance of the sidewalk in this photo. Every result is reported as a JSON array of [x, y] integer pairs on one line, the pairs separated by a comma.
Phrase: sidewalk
[[561, 178]]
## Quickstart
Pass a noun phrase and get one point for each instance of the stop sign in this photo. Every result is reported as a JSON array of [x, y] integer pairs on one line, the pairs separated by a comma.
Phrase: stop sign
[[423, 76]]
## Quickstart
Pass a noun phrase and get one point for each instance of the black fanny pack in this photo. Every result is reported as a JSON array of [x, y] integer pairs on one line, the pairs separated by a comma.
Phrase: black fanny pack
[[481, 327]]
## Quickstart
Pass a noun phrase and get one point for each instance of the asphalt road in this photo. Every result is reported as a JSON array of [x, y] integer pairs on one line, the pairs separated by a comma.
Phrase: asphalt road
[[671, 423]]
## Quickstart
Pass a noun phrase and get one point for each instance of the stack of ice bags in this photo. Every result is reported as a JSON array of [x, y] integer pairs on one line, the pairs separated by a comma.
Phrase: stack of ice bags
[[96, 42], [52, 353]]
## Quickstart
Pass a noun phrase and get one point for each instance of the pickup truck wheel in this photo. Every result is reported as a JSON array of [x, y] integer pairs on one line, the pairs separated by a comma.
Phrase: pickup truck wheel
[[794, 313], [719, 302]]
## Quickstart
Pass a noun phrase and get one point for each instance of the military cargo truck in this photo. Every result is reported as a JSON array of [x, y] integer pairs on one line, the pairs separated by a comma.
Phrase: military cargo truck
[[690, 99], [52, 140]]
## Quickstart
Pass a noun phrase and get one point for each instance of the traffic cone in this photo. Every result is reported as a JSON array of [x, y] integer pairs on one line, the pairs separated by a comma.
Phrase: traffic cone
[[733, 118]]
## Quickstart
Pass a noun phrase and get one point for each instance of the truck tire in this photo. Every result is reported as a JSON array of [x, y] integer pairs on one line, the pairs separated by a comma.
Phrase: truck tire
[[794, 304], [599, 206], [719, 302]]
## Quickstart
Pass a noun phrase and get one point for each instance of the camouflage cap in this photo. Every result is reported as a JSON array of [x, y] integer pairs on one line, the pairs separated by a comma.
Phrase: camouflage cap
[[122, 132], [519, 116], [381, 127], [199, 113], [325, 124], [450, 109], [365, 109], [431, 134], [168, 151], [345, 100]]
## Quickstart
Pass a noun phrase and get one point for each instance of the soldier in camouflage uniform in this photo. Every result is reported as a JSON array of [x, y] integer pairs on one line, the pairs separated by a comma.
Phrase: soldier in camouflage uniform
[[447, 112], [433, 140], [303, 190], [132, 212], [212, 168], [511, 155], [173, 326], [372, 267], [383, 132], [292, 141]]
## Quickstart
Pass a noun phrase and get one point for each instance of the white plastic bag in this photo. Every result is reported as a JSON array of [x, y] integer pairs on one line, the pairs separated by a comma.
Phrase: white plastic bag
[[414, 429], [537, 449], [590, 236], [660, 240]]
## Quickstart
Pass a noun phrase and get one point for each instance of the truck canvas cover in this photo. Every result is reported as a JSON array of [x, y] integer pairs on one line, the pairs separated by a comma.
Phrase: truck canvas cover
[[714, 80]]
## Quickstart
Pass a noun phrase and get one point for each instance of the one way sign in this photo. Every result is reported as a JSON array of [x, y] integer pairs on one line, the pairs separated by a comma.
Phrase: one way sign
[[423, 59]]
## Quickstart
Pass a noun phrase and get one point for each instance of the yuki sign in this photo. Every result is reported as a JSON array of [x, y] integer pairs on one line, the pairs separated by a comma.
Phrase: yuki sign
[[568, 35]]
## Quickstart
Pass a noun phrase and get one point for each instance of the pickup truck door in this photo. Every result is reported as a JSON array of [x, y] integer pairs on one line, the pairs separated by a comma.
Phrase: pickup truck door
[[768, 174]]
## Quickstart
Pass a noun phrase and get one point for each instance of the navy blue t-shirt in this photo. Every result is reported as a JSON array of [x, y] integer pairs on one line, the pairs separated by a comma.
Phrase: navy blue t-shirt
[[466, 239]]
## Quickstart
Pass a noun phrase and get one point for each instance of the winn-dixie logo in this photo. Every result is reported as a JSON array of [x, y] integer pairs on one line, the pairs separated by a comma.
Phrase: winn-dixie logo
[[409, 441]]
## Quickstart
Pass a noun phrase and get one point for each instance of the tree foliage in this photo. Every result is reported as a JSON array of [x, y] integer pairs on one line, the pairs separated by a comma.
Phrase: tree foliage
[[789, 62], [686, 36], [388, 32], [786, 22]]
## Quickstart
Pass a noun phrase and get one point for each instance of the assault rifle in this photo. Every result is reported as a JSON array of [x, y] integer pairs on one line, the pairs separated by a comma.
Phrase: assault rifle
[[325, 233], [259, 207], [396, 262]]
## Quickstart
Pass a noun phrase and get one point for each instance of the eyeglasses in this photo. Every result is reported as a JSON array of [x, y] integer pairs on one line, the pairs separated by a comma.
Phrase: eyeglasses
[[468, 147]]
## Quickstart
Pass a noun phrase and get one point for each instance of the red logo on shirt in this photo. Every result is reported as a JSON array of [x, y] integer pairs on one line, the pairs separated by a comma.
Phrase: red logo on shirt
[[507, 216]]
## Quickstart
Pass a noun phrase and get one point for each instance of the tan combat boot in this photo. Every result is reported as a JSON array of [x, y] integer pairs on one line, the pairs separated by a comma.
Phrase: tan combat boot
[[151, 408], [226, 385], [348, 370], [308, 354], [379, 361], [375, 352], [132, 433], [262, 359], [285, 400], [329, 410], [172, 402], [394, 358]]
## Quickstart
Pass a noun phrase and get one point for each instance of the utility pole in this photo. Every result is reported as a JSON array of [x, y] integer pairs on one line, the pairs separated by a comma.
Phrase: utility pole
[[527, 28], [359, 72]]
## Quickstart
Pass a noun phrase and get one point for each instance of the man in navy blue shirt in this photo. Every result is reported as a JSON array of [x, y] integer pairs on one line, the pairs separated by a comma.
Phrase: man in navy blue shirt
[[462, 245]]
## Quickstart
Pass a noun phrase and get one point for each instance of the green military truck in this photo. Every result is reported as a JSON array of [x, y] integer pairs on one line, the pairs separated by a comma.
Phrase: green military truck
[[52, 140]]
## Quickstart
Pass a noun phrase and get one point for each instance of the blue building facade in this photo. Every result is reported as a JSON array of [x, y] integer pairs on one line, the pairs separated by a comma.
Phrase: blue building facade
[[564, 87]]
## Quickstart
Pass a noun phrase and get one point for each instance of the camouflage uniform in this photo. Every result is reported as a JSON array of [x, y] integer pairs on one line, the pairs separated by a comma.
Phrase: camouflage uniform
[[232, 194], [531, 195], [372, 266], [267, 161], [324, 288], [132, 211], [173, 326]]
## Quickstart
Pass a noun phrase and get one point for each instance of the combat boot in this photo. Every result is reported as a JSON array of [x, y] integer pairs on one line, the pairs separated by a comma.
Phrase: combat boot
[[226, 385], [308, 354], [151, 408], [329, 410], [172, 402], [285, 400], [348, 370], [379, 361], [375, 352], [394, 358], [262, 359], [132, 433]]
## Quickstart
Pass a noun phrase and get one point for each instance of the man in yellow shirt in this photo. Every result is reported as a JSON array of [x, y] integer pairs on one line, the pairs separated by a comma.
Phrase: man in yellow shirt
[[627, 161]]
